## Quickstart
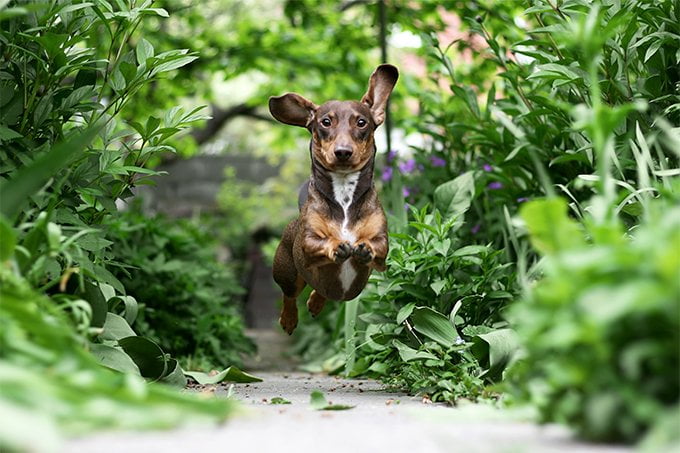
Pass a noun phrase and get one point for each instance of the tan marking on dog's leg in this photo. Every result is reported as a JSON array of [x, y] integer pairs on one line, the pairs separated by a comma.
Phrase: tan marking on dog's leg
[[372, 232], [315, 303]]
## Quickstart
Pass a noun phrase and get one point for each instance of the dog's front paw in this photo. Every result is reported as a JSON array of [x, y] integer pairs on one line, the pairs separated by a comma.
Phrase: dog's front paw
[[363, 253], [343, 252]]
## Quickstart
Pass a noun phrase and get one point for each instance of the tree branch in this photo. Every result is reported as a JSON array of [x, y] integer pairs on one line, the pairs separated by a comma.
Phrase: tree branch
[[221, 117]]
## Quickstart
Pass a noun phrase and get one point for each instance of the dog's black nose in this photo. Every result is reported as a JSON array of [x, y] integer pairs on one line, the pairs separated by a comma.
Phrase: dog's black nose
[[343, 152]]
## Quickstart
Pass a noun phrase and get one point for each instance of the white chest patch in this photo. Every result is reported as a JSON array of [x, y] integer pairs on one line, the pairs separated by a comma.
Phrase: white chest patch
[[344, 186]]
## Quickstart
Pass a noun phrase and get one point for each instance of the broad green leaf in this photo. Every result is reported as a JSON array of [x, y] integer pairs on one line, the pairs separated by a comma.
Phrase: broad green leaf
[[405, 312], [319, 403], [407, 353], [231, 374], [116, 328], [114, 358], [93, 295], [174, 375], [550, 229], [453, 198], [8, 134], [8, 240], [117, 81], [144, 50], [103, 275], [172, 64], [495, 350], [130, 304], [434, 325], [148, 356], [279, 400], [437, 286], [471, 250]]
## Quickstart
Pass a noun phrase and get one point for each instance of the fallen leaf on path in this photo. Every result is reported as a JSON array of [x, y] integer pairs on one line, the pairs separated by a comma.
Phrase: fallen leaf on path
[[318, 402], [231, 374]]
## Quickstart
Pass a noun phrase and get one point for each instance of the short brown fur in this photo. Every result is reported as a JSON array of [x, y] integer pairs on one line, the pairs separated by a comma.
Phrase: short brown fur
[[340, 235]]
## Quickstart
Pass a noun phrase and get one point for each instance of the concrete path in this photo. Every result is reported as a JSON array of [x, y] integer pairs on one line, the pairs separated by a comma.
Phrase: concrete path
[[379, 422]]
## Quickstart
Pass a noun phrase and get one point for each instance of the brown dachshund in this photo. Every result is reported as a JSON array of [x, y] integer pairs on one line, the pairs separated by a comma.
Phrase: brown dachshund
[[340, 235]]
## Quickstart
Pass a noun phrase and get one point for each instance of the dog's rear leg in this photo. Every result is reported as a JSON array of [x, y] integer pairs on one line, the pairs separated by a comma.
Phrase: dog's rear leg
[[315, 303], [286, 276]]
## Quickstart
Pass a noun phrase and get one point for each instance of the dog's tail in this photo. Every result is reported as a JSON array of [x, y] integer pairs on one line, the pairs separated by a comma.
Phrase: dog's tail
[[303, 193]]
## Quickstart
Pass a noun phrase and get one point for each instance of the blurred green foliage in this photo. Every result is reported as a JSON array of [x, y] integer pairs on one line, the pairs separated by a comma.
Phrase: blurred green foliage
[[50, 384], [602, 326], [188, 297]]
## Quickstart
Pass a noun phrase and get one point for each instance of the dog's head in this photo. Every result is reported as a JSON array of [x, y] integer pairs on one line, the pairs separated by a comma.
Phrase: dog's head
[[342, 131]]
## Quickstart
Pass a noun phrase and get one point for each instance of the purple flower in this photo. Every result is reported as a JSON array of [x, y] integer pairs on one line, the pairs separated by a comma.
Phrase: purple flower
[[405, 191], [408, 166], [488, 167], [475, 229], [391, 155], [437, 161], [522, 199], [495, 185], [386, 174]]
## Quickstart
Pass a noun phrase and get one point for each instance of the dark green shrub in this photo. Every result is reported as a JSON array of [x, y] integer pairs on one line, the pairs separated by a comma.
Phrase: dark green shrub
[[190, 300]]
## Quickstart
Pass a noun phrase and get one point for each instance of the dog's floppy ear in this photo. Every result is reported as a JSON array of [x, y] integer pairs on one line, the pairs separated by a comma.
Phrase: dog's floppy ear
[[293, 109], [380, 87]]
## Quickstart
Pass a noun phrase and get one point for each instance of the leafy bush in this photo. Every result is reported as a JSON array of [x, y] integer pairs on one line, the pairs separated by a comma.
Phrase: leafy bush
[[506, 111], [602, 327], [432, 323], [69, 153], [49, 383], [190, 301]]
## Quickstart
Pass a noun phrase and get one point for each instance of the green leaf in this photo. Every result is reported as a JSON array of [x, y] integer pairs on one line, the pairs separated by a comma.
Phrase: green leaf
[[144, 51], [175, 375], [8, 240], [7, 134], [93, 295], [103, 275], [407, 353], [231, 374], [405, 312], [471, 250], [117, 81], [148, 356], [495, 350], [453, 198], [116, 328], [16, 191], [549, 227], [114, 358], [279, 400], [172, 64], [53, 236], [319, 403], [434, 325], [130, 304]]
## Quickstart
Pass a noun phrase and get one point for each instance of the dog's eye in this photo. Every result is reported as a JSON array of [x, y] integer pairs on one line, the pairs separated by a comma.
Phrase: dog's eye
[[326, 122], [361, 122]]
